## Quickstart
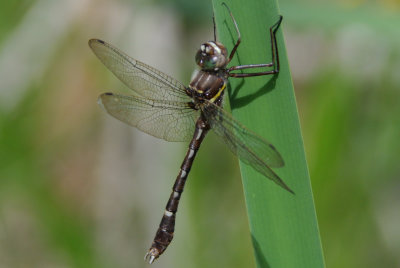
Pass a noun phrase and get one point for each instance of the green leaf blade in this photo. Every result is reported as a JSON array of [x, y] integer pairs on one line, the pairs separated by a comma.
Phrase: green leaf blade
[[283, 226]]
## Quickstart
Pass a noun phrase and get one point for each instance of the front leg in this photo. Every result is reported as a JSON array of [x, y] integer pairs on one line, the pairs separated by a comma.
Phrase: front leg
[[275, 57]]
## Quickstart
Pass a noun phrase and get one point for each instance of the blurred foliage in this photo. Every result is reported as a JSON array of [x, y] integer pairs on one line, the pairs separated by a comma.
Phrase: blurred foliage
[[52, 213], [29, 199], [193, 12], [352, 150], [10, 14]]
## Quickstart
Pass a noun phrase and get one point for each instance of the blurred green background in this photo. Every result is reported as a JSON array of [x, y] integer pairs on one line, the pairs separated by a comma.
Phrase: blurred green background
[[81, 189]]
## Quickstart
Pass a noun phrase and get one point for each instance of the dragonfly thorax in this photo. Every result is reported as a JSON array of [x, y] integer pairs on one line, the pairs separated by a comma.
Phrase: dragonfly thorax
[[212, 56], [208, 85]]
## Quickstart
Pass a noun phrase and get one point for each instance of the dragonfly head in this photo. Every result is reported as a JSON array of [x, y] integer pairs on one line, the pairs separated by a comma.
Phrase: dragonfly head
[[211, 56]]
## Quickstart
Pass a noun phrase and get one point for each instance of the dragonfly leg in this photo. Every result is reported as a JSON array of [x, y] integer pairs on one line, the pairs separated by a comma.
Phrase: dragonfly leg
[[215, 29], [275, 57], [239, 39], [166, 229]]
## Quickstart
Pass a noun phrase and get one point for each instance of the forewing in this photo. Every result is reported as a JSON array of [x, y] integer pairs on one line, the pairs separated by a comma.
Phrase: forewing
[[251, 148], [164, 119], [144, 80]]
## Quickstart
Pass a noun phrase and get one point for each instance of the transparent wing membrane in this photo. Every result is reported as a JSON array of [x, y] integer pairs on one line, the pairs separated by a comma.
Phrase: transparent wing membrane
[[168, 120], [251, 149], [160, 105], [144, 80]]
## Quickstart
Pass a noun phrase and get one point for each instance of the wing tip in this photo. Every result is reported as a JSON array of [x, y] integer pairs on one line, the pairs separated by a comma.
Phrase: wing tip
[[289, 190], [281, 183], [275, 178], [279, 161], [93, 41], [100, 99]]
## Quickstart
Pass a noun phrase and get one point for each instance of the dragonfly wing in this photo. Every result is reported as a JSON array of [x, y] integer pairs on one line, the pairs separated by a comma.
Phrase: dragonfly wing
[[144, 80], [251, 148], [168, 120]]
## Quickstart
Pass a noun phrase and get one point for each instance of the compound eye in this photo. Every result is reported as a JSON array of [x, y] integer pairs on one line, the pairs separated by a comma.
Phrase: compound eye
[[206, 49]]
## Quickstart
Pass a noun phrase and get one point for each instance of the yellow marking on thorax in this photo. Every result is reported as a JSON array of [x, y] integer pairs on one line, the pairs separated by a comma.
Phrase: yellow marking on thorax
[[197, 90], [219, 93]]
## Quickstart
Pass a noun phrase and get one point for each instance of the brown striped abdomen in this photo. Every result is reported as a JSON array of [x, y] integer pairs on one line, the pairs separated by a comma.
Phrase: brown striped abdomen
[[165, 231]]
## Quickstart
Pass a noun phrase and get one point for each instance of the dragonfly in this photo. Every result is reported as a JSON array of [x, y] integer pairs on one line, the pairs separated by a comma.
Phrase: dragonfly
[[167, 109]]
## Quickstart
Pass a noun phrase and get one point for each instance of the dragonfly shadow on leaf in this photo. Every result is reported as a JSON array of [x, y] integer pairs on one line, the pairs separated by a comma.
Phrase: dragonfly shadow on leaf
[[245, 100]]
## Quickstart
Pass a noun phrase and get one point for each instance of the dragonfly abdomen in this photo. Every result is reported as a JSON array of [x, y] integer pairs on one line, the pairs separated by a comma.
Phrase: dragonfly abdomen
[[166, 229]]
